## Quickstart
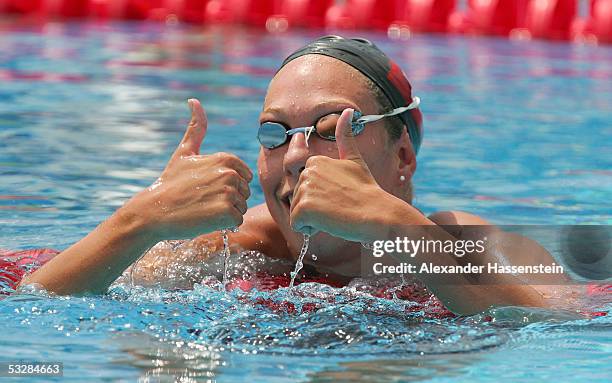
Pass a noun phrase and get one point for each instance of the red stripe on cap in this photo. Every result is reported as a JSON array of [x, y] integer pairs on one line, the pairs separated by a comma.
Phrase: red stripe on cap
[[398, 79]]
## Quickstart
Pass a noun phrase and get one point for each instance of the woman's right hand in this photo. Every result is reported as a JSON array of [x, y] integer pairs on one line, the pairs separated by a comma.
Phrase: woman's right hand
[[195, 194]]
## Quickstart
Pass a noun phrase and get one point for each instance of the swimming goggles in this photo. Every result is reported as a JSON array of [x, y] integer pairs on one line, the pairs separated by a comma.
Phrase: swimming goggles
[[271, 135]]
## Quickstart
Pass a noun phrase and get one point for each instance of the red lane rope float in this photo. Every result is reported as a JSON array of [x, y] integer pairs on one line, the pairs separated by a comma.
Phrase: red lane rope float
[[66, 9], [190, 11], [551, 19], [490, 17], [362, 14], [129, 9], [547, 19], [598, 26], [425, 15], [298, 13], [20, 6], [249, 12], [139, 9], [601, 20]]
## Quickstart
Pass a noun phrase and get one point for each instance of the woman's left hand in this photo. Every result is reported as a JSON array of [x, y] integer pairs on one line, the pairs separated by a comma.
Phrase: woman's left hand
[[340, 196]]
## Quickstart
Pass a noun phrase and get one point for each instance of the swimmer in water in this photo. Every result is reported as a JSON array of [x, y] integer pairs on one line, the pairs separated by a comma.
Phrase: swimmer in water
[[345, 182]]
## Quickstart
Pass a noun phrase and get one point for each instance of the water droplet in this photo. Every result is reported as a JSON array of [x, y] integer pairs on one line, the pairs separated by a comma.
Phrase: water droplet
[[226, 252], [299, 264]]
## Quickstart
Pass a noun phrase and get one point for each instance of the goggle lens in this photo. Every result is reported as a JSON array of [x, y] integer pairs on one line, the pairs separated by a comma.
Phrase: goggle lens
[[272, 135], [326, 126]]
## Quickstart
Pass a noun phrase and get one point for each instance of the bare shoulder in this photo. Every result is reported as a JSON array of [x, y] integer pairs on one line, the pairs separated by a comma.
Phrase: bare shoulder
[[454, 223], [516, 250], [258, 218], [455, 217], [258, 223], [184, 259], [259, 232]]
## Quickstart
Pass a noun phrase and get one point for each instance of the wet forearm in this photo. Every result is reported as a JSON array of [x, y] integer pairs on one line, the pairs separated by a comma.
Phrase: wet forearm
[[460, 293], [93, 263]]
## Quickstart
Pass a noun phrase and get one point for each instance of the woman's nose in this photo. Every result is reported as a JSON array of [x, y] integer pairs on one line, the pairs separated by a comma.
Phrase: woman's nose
[[296, 155]]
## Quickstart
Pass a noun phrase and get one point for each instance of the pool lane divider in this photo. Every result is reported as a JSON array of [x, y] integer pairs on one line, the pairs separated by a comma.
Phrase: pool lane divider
[[517, 19]]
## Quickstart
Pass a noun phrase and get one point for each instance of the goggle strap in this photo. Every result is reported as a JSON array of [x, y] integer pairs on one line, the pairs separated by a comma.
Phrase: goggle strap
[[307, 130], [413, 105]]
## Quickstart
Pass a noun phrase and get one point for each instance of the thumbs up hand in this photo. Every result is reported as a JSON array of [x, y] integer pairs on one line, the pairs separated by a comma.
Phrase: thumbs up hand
[[340, 196], [195, 193]]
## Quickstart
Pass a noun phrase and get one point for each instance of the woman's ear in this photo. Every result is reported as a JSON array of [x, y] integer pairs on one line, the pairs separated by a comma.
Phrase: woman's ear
[[406, 156]]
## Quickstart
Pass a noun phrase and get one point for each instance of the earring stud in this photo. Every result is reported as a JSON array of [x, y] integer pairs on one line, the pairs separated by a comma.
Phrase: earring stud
[[402, 178]]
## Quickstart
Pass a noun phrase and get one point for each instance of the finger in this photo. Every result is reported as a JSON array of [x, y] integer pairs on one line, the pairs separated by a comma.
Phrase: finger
[[235, 180], [347, 147], [241, 185], [223, 161], [298, 191], [243, 170], [309, 230], [234, 162], [196, 130], [236, 218], [236, 198], [236, 204], [243, 188], [298, 217], [241, 205], [298, 224]]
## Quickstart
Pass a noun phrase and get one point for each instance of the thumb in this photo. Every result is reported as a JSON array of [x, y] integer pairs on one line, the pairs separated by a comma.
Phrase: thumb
[[196, 130], [347, 147]]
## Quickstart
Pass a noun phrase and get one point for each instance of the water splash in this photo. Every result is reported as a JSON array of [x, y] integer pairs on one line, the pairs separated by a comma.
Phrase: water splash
[[134, 265], [226, 252], [226, 255], [299, 264], [395, 293], [181, 327], [131, 279]]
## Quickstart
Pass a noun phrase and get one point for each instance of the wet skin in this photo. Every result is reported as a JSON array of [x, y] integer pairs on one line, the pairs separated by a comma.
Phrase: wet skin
[[346, 192], [349, 200]]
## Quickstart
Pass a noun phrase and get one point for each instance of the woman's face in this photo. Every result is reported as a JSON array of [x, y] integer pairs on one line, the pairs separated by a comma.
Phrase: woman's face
[[303, 91]]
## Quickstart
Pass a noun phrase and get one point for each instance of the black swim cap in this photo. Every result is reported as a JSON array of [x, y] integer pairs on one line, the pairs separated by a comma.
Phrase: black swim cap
[[364, 56]]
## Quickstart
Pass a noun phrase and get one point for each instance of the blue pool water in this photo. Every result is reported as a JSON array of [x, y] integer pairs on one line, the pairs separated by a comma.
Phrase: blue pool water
[[520, 133]]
